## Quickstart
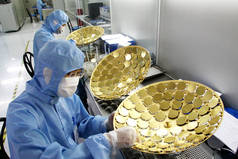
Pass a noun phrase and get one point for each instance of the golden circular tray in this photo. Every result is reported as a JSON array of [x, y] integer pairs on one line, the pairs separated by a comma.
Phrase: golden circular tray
[[171, 116], [86, 35], [120, 72]]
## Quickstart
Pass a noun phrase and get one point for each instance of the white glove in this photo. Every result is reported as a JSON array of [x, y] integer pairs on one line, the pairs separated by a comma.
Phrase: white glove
[[122, 137]]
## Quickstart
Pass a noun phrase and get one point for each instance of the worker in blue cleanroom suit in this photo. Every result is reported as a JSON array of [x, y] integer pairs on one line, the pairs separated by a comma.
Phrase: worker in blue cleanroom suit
[[40, 4], [45, 121], [53, 24]]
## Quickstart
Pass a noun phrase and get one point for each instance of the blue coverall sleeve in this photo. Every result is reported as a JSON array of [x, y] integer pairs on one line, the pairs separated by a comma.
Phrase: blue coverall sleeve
[[90, 125], [30, 142]]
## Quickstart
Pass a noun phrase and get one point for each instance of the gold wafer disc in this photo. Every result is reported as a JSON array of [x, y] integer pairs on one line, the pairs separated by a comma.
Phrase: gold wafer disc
[[140, 108], [146, 116], [154, 124], [161, 87], [156, 138], [146, 133], [209, 130], [192, 125], [153, 109], [123, 111], [179, 95], [157, 97], [200, 90], [181, 120], [213, 103], [181, 86], [197, 102], [203, 110], [160, 116], [193, 115], [171, 116], [129, 65], [120, 119], [204, 119], [162, 132], [170, 140], [191, 137], [214, 120], [131, 122], [142, 124], [134, 114], [199, 138], [86, 35], [164, 105], [177, 104], [207, 96], [189, 97], [187, 108], [176, 130], [128, 104], [216, 111], [200, 129]]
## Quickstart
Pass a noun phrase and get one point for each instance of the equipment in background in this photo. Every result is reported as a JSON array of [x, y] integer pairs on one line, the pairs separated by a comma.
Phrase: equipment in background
[[5, 1], [94, 9], [115, 41], [28, 58], [80, 11], [12, 16], [3, 136], [71, 27], [29, 14], [105, 12]]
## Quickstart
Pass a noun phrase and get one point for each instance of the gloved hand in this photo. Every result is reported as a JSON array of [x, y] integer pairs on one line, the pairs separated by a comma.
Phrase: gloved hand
[[109, 122], [122, 137]]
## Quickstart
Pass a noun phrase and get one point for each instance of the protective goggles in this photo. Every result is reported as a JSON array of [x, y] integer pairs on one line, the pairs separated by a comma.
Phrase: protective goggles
[[77, 73]]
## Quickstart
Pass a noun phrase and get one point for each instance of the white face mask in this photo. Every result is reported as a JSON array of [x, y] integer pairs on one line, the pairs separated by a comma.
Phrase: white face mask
[[67, 86]]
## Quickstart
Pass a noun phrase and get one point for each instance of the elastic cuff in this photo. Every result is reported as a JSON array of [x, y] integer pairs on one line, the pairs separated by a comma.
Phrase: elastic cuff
[[99, 146], [114, 138]]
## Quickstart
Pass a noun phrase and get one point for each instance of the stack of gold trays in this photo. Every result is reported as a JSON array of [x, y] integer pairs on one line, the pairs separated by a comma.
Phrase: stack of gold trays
[[86, 35], [171, 116], [120, 72]]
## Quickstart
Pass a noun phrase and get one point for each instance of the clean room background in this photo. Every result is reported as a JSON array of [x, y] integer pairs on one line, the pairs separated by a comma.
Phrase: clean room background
[[199, 42]]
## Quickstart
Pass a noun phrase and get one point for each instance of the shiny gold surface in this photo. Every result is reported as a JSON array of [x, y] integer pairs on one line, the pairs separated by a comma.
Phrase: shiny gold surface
[[120, 72], [123, 111], [146, 116], [171, 116], [86, 35]]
